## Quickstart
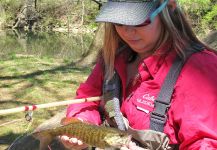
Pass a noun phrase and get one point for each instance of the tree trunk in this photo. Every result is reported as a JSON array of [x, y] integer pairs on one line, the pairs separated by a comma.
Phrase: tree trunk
[[27, 15], [211, 40], [2, 17], [89, 58], [83, 12]]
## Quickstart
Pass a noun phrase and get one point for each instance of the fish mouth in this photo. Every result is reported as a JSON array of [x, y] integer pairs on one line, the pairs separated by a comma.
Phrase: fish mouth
[[129, 139], [124, 142]]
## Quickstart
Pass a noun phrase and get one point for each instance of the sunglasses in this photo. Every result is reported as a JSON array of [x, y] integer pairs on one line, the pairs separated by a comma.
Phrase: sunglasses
[[147, 22]]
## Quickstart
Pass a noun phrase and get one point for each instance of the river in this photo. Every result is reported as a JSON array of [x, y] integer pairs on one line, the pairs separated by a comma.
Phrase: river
[[65, 46]]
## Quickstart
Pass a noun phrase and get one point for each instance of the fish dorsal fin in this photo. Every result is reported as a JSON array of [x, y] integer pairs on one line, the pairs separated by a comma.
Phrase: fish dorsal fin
[[66, 121]]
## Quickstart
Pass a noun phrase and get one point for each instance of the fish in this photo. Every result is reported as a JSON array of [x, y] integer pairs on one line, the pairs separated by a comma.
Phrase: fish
[[95, 136]]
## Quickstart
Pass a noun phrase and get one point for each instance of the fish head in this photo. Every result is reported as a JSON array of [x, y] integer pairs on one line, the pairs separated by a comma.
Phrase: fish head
[[118, 139]]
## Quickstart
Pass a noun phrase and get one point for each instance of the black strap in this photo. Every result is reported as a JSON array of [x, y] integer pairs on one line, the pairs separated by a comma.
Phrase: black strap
[[158, 117], [110, 106], [112, 101]]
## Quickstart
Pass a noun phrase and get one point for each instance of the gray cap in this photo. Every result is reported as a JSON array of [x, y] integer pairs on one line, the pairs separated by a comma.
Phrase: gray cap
[[126, 12]]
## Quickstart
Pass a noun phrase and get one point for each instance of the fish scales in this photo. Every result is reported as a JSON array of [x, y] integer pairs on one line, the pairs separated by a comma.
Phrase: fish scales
[[89, 134], [97, 136]]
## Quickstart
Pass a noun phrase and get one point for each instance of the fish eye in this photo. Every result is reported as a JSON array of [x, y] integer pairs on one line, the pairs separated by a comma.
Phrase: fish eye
[[122, 135]]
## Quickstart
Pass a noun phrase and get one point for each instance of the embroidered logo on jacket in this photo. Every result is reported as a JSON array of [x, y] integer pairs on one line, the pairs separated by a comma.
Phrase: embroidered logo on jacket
[[147, 99]]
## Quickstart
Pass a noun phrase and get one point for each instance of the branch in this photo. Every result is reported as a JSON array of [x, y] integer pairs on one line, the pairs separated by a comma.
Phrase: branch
[[98, 2]]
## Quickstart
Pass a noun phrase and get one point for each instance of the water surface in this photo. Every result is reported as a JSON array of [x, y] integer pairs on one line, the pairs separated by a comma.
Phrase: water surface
[[68, 47]]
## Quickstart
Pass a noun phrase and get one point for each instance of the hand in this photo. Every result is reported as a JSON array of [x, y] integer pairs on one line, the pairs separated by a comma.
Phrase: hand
[[72, 143], [132, 146]]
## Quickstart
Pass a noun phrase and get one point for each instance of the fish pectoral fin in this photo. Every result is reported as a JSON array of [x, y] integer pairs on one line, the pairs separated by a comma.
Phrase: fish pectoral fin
[[44, 142]]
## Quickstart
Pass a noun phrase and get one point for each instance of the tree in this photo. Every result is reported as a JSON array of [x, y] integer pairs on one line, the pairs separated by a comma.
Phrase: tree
[[27, 15], [202, 13], [90, 57]]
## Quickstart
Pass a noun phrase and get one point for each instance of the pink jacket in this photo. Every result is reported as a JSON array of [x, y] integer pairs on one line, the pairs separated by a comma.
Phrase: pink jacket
[[192, 121]]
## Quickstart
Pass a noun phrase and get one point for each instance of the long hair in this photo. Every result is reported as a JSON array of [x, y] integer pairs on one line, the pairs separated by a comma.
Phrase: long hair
[[109, 51], [179, 30], [175, 27]]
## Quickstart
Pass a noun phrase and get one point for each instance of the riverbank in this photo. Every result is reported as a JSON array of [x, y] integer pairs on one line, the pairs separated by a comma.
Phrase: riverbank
[[76, 29]]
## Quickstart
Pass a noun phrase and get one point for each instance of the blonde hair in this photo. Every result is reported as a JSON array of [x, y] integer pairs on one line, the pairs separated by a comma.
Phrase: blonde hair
[[176, 29], [111, 43]]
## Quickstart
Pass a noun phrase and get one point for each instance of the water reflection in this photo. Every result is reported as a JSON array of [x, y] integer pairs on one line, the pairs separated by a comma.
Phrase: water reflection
[[44, 44]]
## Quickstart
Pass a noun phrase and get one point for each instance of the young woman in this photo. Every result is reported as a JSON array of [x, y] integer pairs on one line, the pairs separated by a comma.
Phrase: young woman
[[142, 41]]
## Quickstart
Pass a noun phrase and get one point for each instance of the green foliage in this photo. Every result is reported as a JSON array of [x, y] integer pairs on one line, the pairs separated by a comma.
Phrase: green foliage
[[12, 5], [11, 8], [53, 13], [211, 18], [196, 3], [91, 10], [202, 13], [61, 13]]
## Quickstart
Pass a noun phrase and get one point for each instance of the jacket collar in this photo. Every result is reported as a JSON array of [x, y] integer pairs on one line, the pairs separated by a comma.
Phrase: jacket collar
[[163, 56]]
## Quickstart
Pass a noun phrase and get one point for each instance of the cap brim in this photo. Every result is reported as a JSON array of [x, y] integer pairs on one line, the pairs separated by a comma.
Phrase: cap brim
[[126, 13]]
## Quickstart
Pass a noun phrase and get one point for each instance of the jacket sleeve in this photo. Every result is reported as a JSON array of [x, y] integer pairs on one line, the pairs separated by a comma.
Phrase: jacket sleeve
[[194, 108], [91, 87]]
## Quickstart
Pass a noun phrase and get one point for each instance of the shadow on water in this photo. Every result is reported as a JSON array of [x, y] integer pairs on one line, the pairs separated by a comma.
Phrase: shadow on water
[[44, 44]]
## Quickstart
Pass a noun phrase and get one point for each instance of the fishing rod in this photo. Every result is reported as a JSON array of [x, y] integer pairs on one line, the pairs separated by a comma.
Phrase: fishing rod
[[47, 105]]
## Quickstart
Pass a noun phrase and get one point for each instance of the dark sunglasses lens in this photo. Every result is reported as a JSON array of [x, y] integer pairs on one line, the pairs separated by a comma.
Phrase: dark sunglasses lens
[[117, 24], [147, 22]]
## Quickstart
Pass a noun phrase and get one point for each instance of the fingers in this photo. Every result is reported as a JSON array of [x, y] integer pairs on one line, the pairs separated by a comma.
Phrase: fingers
[[131, 146], [75, 141], [72, 143], [124, 148], [65, 140]]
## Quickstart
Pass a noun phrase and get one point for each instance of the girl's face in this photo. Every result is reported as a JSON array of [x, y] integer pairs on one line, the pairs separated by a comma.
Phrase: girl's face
[[141, 39]]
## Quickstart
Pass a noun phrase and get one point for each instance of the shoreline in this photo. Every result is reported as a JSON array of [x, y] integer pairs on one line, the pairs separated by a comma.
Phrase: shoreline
[[75, 29]]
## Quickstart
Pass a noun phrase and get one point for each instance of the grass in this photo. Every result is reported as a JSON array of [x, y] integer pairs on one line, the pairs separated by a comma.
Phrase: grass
[[27, 80]]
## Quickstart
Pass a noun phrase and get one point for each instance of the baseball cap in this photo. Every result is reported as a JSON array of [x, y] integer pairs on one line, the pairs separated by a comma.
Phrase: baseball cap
[[129, 12]]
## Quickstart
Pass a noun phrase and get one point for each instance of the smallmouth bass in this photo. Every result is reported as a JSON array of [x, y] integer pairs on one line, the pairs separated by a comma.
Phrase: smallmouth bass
[[93, 135]]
